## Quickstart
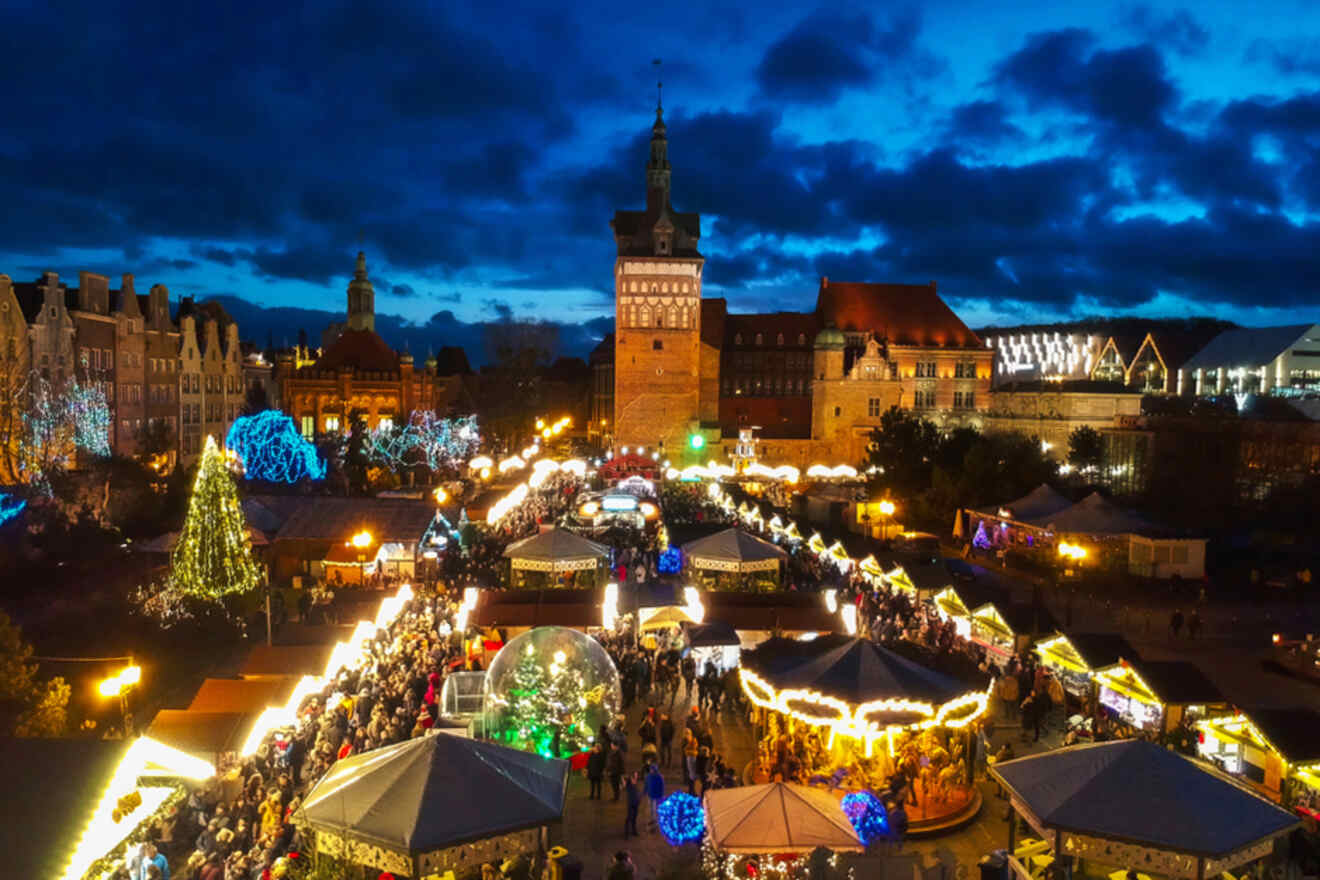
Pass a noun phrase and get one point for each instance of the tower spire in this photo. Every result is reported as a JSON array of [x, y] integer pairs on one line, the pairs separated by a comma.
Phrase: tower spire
[[657, 168]]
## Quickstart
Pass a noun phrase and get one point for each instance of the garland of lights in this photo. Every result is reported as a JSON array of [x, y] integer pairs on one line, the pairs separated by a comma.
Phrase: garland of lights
[[681, 818], [214, 555], [272, 449], [425, 440], [867, 815], [86, 406]]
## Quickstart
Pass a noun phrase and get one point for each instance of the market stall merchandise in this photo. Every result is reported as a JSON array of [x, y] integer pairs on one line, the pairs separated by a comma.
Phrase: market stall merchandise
[[1276, 750], [434, 804], [1074, 658], [557, 558], [1135, 805], [1157, 696], [846, 713]]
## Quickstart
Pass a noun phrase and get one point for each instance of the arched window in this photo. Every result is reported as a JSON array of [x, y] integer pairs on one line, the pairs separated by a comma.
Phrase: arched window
[[779, 340], [673, 316], [802, 339], [645, 316], [759, 339], [737, 339], [664, 288]]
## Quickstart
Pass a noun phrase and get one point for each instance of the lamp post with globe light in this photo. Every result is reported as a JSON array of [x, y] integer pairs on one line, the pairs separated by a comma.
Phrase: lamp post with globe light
[[118, 685], [361, 541]]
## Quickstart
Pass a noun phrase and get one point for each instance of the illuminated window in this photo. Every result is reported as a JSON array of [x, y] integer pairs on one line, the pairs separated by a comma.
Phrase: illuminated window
[[331, 423], [308, 426]]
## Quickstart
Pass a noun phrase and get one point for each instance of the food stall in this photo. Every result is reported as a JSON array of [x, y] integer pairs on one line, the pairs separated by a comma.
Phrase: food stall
[[1075, 658], [1275, 750], [1157, 697]]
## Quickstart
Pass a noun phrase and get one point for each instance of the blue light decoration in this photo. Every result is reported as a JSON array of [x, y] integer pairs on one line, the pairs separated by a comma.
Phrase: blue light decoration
[[682, 819], [670, 561], [10, 506], [867, 815], [979, 540], [272, 449]]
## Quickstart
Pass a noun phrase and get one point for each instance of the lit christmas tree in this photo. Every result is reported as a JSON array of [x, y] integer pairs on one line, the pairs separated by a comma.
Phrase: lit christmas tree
[[545, 706], [214, 556]]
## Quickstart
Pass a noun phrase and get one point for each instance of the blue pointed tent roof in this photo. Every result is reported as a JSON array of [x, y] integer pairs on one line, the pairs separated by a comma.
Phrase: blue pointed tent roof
[[1135, 791]]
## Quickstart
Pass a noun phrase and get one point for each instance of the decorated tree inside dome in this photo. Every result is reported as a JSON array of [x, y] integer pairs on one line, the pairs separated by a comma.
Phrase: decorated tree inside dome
[[551, 691]]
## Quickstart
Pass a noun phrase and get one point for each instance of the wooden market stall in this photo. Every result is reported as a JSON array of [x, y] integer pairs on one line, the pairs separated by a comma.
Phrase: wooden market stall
[[1276, 750], [1157, 696], [1075, 657], [748, 825], [1105, 808]]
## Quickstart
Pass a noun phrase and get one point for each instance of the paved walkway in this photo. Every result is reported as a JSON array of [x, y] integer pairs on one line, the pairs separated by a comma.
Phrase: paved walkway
[[593, 830]]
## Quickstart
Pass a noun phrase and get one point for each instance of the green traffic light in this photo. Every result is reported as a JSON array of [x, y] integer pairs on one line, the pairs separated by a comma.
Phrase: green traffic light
[[696, 441]]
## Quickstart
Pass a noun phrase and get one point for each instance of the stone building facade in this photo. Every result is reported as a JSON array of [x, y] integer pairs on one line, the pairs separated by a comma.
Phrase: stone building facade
[[131, 346], [360, 372], [1053, 410], [688, 375]]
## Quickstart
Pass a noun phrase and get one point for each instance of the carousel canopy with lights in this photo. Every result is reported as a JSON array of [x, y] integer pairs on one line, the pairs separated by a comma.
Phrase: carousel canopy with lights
[[777, 817], [405, 804], [1135, 804], [855, 687], [556, 550], [733, 550]]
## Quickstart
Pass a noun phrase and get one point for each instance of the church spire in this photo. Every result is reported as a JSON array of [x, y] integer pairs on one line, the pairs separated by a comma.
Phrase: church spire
[[361, 297], [657, 168]]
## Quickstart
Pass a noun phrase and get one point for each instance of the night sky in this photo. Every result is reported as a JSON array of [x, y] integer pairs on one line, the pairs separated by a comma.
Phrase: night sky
[[1037, 160]]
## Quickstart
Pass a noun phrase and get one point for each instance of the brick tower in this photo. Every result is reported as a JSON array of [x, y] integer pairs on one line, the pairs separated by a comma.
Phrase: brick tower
[[657, 336]]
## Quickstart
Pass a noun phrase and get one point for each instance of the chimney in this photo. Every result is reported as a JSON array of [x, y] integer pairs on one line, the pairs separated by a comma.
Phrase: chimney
[[128, 285]]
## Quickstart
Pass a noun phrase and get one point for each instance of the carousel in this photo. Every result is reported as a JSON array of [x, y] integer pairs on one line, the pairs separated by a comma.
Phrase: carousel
[[845, 714]]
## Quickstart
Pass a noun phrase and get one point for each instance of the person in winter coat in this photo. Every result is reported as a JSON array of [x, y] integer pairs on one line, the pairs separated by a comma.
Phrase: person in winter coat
[[634, 793], [596, 770], [690, 749], [689, 676], [622, 868], [614, 768], [666, 740], [655, 792]]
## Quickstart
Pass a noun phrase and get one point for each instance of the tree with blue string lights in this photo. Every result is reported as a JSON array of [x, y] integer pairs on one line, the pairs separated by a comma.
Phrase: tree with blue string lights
[[271, 449]]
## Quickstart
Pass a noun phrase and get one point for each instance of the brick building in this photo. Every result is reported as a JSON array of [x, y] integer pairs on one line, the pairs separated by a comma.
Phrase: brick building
[[814, 383], [359, 371]]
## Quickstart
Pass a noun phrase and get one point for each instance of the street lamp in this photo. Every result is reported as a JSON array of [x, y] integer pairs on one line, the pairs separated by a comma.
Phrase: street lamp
[[886, 511], [118, 685], [362, 540]]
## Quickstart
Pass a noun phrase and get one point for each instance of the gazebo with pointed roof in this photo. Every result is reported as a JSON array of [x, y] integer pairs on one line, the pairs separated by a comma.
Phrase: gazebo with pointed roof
[[438, 803], [735, 552], [557, 552], [777, 817], [1136, 805]]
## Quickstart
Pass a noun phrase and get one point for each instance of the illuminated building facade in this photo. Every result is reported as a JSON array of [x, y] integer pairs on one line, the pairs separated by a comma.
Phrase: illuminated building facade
[[687, 374]]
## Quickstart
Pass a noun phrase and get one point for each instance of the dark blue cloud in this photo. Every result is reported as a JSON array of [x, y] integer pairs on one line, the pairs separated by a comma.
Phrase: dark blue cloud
[[828, 52], [477, 152]]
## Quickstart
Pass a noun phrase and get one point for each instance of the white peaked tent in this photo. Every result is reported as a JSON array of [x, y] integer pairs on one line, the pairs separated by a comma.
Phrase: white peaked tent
[[777, 817], [733, 550], [556, 550]]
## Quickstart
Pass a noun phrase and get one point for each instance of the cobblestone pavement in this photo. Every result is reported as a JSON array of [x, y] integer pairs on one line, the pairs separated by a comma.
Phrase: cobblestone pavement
[[593, 830]]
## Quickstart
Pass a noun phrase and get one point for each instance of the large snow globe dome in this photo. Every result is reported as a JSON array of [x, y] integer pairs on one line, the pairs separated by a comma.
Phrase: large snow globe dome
[[551, 690]]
